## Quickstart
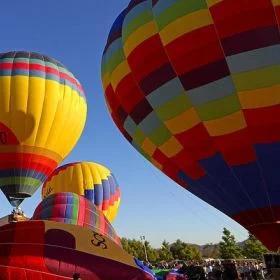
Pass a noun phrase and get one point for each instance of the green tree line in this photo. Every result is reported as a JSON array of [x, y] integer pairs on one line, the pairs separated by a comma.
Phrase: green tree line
[[228, 248]]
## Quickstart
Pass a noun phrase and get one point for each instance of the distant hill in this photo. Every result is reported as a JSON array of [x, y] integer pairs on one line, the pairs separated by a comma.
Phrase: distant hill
[[211, 250], [208, 250]]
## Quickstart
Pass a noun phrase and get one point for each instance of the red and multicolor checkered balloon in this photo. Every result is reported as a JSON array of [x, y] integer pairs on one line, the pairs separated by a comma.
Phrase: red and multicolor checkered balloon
[[195, 87]]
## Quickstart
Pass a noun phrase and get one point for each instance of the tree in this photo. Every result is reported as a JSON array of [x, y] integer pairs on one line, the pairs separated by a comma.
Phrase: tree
[[196, 254], [152, 253], [228, 247], [182, 251], [253, 248], [133, 247], [136, 249], [164, 253]]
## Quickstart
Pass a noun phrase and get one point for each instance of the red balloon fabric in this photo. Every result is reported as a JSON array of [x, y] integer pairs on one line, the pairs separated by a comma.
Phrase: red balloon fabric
[[43, 250]]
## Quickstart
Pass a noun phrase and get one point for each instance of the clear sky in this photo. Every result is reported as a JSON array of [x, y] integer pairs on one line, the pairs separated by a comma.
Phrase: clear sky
[[74, 32]]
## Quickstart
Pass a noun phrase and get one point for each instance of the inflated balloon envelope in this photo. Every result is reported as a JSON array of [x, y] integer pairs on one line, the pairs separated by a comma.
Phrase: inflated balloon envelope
[[42, 115], [70, 208], [194, 86], [89, 179], [50, 250]]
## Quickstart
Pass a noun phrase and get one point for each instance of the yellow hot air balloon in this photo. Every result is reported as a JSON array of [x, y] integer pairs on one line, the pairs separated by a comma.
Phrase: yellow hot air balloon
[[91, 180], [42, 115]]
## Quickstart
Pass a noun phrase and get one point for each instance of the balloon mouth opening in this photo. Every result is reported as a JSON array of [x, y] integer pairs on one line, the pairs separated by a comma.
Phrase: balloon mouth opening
[[16, 199], [17, 195], [15, 202]]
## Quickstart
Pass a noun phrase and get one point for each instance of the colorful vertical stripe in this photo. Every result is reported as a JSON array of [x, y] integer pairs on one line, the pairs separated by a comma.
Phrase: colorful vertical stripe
[[70, 208]]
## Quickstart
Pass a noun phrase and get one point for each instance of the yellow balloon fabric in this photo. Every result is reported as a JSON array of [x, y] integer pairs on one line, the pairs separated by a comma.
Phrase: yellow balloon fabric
[[91, 180], [42, 115]]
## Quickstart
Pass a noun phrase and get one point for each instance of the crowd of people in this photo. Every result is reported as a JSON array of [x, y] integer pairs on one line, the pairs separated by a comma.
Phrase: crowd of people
[[213, 270]]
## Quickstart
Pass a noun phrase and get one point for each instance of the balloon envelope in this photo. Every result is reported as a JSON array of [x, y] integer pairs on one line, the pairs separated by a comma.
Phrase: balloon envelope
[[91, 180], [194, 86], [70, 208], [49, 250], [42, 115]]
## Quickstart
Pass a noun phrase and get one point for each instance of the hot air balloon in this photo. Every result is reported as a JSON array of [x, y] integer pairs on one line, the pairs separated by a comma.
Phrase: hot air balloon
[[42, 115], [49, 250], [70, 208], [194, 86], [91, 180]]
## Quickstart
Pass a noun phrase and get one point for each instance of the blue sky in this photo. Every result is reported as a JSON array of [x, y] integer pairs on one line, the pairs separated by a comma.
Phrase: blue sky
[[74, 32]]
